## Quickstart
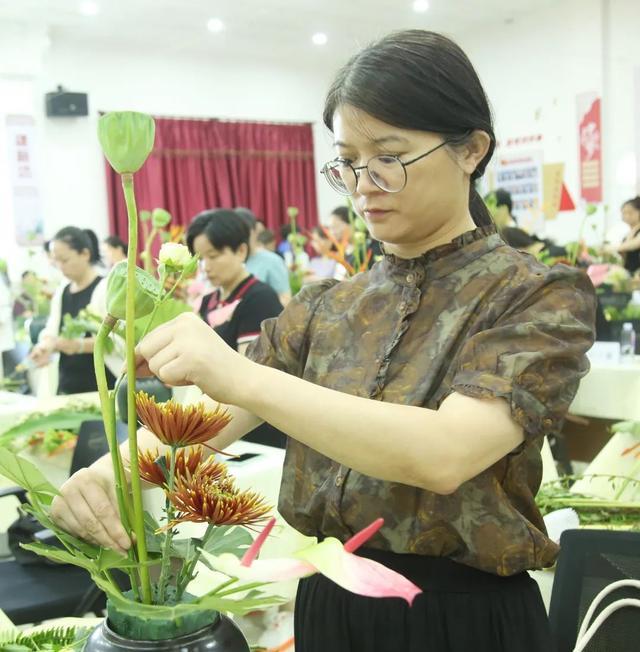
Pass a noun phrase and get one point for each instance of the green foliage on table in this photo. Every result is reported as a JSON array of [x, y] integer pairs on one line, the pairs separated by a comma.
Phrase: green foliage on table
[[55, 639], [69, 418], [630, 312], [556, 494]]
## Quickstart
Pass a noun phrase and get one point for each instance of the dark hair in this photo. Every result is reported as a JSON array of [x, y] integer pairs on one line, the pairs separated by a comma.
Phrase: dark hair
[[634, 203], [79, 240], [285, 230], [248, 216], [267, 237], [342, 212], [223, 228], [503, 198], [320, 232], [46, 245], [420, 80], [117, 243]]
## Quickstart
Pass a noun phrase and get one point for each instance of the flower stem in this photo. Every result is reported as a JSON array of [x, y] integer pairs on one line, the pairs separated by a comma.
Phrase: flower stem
[[109, 419], [166, 551], [188, 574], [136, 489]]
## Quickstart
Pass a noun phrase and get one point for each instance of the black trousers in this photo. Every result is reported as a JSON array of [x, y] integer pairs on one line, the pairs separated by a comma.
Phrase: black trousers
[[461, 609]]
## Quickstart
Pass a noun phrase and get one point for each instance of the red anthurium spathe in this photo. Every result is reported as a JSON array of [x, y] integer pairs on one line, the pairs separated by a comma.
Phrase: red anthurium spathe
[[330, 557]]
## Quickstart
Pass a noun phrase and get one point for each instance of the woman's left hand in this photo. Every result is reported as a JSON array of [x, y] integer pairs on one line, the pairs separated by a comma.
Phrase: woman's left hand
[[187, 351]]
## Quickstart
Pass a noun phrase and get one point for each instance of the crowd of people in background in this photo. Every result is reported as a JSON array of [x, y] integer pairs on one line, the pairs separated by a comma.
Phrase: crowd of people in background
[[245, 274]]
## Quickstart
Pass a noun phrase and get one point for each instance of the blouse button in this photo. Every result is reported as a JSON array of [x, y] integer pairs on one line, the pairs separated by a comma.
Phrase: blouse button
[[411, 278], [339, 480], [547, 423], [402, 306]]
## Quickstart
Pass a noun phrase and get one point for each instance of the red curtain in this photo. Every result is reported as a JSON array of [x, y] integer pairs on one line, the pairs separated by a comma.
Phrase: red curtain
[[201, 164]]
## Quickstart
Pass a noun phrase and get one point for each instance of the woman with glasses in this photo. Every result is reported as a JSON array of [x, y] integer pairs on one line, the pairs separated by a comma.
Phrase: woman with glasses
[[418, 391]]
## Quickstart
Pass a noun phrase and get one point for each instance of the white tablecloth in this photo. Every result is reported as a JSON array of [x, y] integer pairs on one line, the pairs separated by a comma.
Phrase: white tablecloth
[[610, 391]]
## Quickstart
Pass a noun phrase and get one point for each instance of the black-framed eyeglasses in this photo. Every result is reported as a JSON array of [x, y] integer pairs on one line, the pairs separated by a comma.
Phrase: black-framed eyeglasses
[[387, 171]]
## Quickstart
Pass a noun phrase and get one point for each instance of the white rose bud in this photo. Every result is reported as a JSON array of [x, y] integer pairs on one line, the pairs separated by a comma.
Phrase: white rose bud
[[174, 255]]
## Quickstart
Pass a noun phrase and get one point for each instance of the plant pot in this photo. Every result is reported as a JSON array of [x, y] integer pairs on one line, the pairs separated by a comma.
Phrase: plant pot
[[223, 635]]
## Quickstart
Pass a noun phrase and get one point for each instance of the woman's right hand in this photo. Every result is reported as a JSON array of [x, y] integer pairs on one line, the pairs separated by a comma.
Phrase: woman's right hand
[[87, 508]]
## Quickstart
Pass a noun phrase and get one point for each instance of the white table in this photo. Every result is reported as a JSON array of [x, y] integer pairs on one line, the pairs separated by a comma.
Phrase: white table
[[610, 391]]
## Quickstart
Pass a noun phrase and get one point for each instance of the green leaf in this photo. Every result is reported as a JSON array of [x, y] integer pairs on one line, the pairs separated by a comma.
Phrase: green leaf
[[56, 639], [233, 539], [26, 475], [632, 427], [61, 556], [167, 311], [154, 539], [67, 418], [108, 559]]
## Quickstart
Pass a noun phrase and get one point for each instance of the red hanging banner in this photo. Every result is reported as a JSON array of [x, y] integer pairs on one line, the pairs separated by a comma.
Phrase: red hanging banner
[[590, 139]]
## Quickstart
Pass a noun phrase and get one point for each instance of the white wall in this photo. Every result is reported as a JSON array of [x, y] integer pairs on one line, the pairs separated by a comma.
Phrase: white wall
[[533, 70]]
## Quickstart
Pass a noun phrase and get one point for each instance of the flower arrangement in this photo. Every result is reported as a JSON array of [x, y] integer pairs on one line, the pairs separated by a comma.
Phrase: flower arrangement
[[352, 252], [197, 487]]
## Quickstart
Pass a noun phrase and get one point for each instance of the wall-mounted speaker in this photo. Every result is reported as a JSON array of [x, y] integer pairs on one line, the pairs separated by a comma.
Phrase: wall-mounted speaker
[[62, 103]]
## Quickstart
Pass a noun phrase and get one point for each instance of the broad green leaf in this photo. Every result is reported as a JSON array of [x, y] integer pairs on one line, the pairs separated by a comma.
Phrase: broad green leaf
[[87, 549], [167, 311], [67, 418], [232, 539], [154, 539], [26, 475], [61, 556], [108, 559]]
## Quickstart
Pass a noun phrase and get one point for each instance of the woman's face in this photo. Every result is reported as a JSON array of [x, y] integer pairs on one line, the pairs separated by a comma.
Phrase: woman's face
[[435, 200], [322, 246], [338, 228], [630, 215], [73, 264], [222, 266], [113, 255]]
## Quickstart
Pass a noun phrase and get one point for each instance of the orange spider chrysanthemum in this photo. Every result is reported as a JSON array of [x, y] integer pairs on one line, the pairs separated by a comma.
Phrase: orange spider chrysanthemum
[[179, 425], [204, 499], [188, 460]]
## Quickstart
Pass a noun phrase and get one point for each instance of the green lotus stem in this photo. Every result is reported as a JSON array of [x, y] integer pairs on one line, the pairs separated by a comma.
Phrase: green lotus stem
[[108, 415], [166, 551], [191, 566], [136, 489]]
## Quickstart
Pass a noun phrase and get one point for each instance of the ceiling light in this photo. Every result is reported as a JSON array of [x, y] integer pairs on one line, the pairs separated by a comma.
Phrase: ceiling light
[[319, 38], [89, 8], [215, 25], [420, 6]]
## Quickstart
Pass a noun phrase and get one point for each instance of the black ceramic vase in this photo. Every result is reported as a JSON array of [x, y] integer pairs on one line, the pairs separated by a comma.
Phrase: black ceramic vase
[[223, 635]]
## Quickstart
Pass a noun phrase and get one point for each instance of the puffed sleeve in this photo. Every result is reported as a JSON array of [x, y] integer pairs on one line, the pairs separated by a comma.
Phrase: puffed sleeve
[[282, 343], [535, 354]]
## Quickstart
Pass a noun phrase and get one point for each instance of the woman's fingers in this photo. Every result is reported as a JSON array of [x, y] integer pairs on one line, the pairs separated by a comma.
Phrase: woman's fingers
[[86, 510]]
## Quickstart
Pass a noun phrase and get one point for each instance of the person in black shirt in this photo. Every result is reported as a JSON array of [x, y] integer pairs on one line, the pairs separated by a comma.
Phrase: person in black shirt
[[241, 302], [630, 247], [75, 252]]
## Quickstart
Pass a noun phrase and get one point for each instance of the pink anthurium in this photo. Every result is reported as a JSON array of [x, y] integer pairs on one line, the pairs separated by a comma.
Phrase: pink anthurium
[[334, 560]]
